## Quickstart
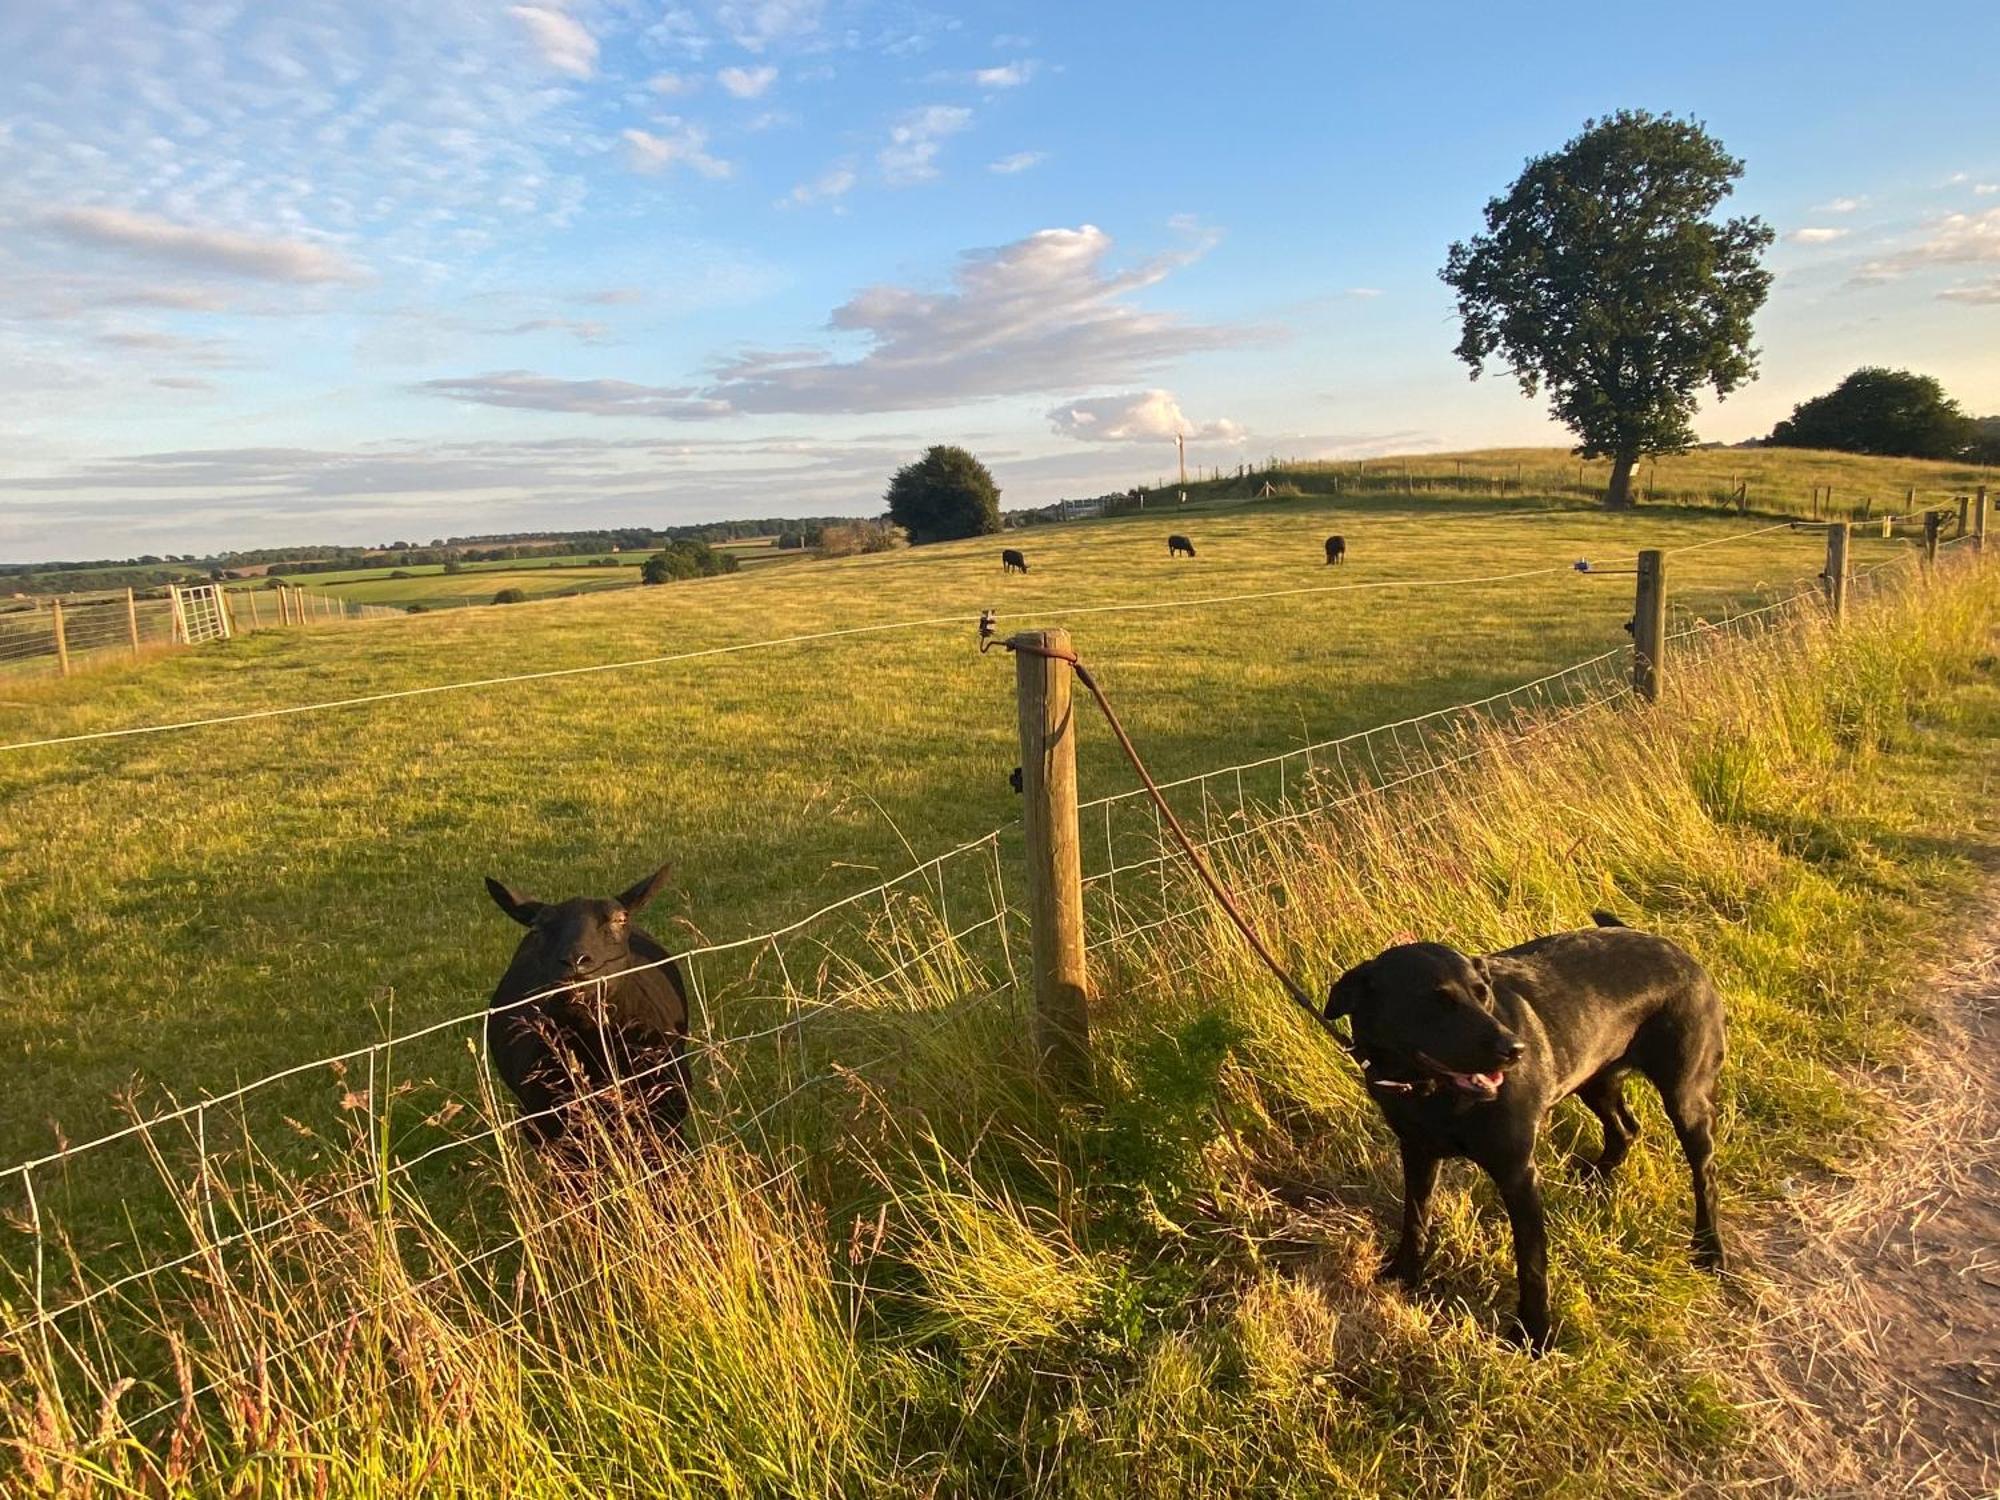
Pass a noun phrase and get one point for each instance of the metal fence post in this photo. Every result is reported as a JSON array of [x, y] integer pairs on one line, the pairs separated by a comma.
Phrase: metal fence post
[[1055, 857], [1836, 569], [1649, 625]]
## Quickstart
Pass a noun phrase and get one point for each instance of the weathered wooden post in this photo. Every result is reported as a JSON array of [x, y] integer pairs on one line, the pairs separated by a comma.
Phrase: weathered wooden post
[[62, 638], [132, 620], [1042, 685], [1933, 523], [177, 631], [1979, 520], [1649, 625], [1836, 569]]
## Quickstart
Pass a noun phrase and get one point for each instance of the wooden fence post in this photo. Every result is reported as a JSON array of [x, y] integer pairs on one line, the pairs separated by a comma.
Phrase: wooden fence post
[[177, 631], [1964, 504], [1979, 520], [1933, 523], [1836, 569], [1649, 625], [132, 620], [62, 638], [1055, 858]]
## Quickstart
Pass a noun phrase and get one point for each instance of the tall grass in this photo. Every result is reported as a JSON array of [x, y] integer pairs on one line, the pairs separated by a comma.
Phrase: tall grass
[[938, 1281]]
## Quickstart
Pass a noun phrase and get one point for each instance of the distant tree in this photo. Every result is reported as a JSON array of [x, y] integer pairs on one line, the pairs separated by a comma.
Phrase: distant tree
[[1985, 440], [844, 539], [686, 558], [416, 609], [1892, 413], [511, 596], [944, 495], [1603, 278], [453, 565]]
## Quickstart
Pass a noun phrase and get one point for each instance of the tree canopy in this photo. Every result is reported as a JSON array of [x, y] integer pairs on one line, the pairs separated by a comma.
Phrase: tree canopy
[[944, 495], [1604, 278], [686, 558], [1892, 413]]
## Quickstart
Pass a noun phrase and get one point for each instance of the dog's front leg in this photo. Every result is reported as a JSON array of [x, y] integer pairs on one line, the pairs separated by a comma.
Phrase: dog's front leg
[[1420, 1174], [1521, 1191]]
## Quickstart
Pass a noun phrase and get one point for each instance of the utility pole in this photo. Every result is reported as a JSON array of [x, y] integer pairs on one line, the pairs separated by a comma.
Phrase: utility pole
[[1180, 448]]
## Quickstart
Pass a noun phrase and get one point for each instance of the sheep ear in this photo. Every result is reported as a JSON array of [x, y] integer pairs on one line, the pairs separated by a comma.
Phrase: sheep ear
[[1347, 992], [513, 902], [645, 890]]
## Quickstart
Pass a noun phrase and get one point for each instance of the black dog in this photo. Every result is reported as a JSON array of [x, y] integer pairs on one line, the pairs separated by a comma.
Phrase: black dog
[[1336, 549], [1466, 1056], [1177, 544], [1012, 561], [588, 984]]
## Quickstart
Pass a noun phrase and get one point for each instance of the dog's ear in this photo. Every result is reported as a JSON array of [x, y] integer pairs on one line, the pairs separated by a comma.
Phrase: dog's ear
[[512, 902], [1348, 991]]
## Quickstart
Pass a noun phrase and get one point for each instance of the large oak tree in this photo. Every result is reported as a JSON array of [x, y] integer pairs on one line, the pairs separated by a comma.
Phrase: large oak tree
[[1604, 278], [945, 495]]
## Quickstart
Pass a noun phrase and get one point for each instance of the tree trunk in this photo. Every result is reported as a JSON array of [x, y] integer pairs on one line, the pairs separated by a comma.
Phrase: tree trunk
[[1618, 494]]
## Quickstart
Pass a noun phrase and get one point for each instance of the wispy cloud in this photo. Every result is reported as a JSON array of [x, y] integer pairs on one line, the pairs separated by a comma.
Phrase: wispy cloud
[[583, 330], [684, 144], [1953, 240], [1153, 416], [214, 250], [611, 296], [914, 142], [1840, 205], [671, 85], [1814, 234], [1986, 189], [756, 24], [1007, 76], [746, 83], [835, 182], [523, 391], [1983, 293], [559, 38], [1363, 292], [1020, 161]]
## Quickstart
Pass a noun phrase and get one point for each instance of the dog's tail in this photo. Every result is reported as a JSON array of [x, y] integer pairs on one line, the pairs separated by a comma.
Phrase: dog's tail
[[1605, 919]]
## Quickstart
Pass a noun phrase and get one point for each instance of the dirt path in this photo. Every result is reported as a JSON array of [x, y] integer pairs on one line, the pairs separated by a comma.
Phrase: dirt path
[[1878, 1297]]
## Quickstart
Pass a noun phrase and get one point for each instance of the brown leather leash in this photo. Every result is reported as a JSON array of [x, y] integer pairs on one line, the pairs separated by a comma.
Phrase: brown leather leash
[[1293, 988]]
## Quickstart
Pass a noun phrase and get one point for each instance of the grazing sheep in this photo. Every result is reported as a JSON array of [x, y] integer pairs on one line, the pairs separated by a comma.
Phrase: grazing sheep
[[1336, 549], [605, 1006], [1011, 561], [1177, 544]]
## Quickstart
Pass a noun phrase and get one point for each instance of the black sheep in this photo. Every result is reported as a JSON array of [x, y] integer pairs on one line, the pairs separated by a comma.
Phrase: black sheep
[[1178, 544], [588, 1001], [1336, 549], [1012, 561]]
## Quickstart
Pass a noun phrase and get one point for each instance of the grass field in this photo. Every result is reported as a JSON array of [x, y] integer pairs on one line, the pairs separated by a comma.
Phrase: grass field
[[981, 1294], [772, 781]]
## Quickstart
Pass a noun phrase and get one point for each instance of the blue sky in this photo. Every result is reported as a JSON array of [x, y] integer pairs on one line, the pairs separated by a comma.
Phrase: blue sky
[[355, 270]]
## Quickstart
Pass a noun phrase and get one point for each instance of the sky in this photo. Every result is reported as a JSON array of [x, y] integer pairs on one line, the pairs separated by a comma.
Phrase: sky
[[354, 271]]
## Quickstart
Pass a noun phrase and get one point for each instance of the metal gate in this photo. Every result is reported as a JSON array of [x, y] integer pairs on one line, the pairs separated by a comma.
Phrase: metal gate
[[200, 614]]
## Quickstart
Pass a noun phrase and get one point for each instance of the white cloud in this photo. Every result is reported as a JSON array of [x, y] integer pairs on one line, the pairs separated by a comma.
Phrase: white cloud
[[214, 250], [1020, 161], [583, 330], [1007, 76], [1140, 417], [1816, 235], [1953, 240], [524, 391], [671, 85], [1956, 178], [1982, 293], [835, 182], [1986, 189], [914, 141], [560, 39], [686, 145], [1042, 315], [612, 296], [756, 24], [746, 83], [1840, 205]]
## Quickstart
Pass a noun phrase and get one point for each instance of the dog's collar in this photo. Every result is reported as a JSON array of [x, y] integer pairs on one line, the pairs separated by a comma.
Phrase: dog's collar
[[1408, 1088]]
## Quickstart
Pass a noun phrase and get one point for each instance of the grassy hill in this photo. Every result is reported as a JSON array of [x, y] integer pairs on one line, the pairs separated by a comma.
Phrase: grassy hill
[[923, 1276], [1772, 481]]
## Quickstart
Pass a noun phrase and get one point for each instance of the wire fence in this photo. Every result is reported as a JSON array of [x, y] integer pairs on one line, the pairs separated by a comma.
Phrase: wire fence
[[63, 634], [120, 1235]]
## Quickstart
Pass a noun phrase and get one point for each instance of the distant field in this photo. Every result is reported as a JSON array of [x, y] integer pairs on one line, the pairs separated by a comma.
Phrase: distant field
[[302, 868], [1775, 480]]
